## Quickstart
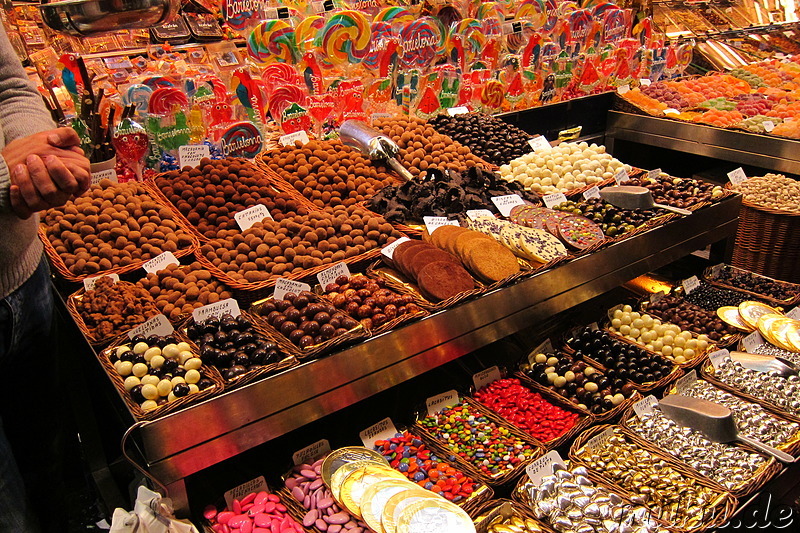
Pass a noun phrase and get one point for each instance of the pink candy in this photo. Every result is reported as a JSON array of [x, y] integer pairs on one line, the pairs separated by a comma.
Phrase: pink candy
[[255, 513]]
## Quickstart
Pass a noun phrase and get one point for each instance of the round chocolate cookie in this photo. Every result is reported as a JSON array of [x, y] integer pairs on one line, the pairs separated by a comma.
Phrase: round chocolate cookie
[[428, 256], [440, 280]]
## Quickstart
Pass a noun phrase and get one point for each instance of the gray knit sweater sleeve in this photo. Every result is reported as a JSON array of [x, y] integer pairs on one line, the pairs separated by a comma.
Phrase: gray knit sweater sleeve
[[22, 112]]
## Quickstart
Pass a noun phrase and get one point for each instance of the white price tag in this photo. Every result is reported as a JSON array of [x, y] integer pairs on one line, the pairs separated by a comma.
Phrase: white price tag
[[431, 223], [690, 284], [621, 176], [686, 382], [474, 214], [158, 325], [109, 174], [671, 111], [388, 250], [752, 341], [593, 192], [543, 466], [545, 347], [655, 297], [258, 484], [539, 142], [717, 357], [252, 215], [160, 262], [291, 138], [378, 116], [768, 125], [283, 285], [794, 313], [654, 174], [228, 306], [89, 283], [453, 111], [312, 452], [485, 377], [383, 430], [737, 176], [645, 405], [441, 401], [553, 199], [716, 269], [506, 203], [329, 275], [622, 89], [599, 441], [644, 82], [190, 155]]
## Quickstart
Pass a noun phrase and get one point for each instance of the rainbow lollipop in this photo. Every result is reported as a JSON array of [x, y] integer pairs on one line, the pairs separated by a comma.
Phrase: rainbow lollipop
[[306, 31], [533, 10], [344, 39], [393, 14], [271, 41], [381, 32], [422, 41]]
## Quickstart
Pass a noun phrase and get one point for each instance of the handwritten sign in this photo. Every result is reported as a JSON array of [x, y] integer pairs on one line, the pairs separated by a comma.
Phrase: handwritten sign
[[645, 405], [737, 176], [485, 377], [752, 341], [160, 262], [690, 284], [328, 276], [656, 297], [283, 285], [599, 441], [593, 192], [158, 325], [686, 382], [622, 89], [251, 216], [621, 176], [653, 174], [441, 401], [453, 111], [228, 306], [543, 466], [389, 249], [89, 283], [644, 82], [291, 138], [379, 116], [258, 484], [311, 452], [718, 357], [539, 142], [108, 174], [794, 313], [553, 199], [383, 430], [475, 214], [716, 269], [190, 155], [506, 203], [431, 223], [768, 126]]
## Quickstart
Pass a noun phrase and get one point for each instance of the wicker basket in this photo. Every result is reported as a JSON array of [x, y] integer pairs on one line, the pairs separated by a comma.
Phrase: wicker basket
[[708, 275], [169, 407], [720, 509], [726, 340], [491, 509], [768, 242], [764, 473]]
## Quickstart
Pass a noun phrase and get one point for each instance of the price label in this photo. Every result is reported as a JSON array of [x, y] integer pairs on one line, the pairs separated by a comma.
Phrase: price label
[[512, 27], [383, 430], [378, 116], [737, 176], [109, 174], [717, 357], [312, 452], [328, 276], [539, 142], [258, 484], [545, 347], [671, 111], [644, 82], [752, 341], [322, 6], [291, 138], [228, 306], [654, 174], [160, 262], [794, 313], [190, 155], [475, 214], [768, 125], [158, 325], [543, 466], [283, 285], [89, 283], [645, 405], [431, 223], [272, 13], [251, 216], [389, 249], [690, 284], [622, 89], [453, 111], [716, 270], [594, 192], [442, 401], [599, 441], [686, 382], [656, 297], [506, 203], [553, 199], [621, 176], [486, 376]]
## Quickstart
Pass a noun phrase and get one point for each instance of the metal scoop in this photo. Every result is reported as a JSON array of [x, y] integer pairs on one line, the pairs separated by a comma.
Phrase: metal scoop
[[713, 420], [632, 197], [766, 363], [373, 144]]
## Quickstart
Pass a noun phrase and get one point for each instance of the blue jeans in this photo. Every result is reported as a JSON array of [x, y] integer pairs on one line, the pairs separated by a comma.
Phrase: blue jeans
[[26, 321]]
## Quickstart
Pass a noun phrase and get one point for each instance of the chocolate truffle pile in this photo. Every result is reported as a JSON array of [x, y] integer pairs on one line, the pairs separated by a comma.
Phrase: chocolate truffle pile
[[488, 137]]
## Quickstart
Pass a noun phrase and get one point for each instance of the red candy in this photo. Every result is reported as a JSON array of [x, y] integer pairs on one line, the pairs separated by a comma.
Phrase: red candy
[[526, 409], [244, 519]]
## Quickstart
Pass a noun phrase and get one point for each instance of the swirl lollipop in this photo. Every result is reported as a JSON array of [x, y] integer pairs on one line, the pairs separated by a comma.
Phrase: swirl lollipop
[[421, 41], [271, 41], [164, 100], [344, 39], [551, 15], [381, 32], [394, 14], [533, 10], [283, 97], [139, 95], [306, 31]]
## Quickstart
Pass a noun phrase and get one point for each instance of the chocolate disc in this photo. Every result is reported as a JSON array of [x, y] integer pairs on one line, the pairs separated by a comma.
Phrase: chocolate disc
[[578, 232]]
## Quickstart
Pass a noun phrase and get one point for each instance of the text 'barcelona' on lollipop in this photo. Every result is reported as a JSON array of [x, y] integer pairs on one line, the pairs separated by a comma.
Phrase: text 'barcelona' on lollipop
[[373, 144]]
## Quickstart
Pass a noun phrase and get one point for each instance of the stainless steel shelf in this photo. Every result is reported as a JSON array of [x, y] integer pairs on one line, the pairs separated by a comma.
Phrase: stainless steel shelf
[[774, 153], [241, 419]]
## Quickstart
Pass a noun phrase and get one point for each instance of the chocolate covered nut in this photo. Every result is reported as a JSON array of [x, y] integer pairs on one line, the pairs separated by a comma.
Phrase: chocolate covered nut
[[376, 303], [678, 192], [486, 136], [179, 289], [113, 308]]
